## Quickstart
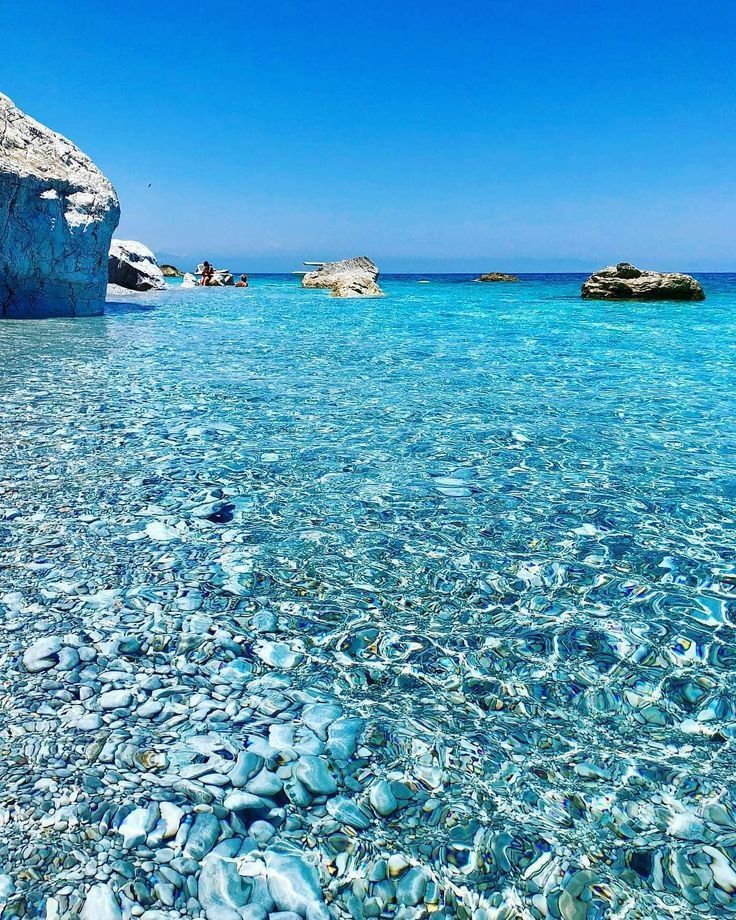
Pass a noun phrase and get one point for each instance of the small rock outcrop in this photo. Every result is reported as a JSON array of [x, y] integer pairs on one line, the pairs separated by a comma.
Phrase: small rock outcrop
[[497, 276], [171, 271], [57, 216], [626, 282], [133, 266], [346, 278], [220, 278]]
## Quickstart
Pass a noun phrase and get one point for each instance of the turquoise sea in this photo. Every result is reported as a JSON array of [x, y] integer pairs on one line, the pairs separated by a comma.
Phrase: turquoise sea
[[492, 526]]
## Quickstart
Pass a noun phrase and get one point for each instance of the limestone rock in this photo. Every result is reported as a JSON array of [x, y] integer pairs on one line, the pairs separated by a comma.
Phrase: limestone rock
[[625, 282], [171, 271], [57, 216], [189, 280], [132, 265], [497, 276], [346, 278]]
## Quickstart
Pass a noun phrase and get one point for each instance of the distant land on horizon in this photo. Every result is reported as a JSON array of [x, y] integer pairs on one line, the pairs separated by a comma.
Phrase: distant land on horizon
[[270, 264]]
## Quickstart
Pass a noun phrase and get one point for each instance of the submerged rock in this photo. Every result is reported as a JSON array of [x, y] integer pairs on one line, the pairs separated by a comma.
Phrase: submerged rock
[[347, 278], [132, 265], [626, 282], [497, 276], [57, 216]]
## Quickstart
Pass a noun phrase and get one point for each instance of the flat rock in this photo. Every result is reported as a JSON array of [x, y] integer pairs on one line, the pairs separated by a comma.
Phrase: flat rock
[[497, 276], [626, 282], [57, 216]]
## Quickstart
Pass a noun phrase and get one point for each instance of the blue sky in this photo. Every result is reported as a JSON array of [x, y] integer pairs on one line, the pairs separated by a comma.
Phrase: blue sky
[[431, 136]]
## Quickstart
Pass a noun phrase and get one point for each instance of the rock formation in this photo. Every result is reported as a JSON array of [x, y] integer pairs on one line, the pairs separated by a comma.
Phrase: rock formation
[[347, 278], [625, 282], [171, 271], [497, 276], [133, 266], [57, 216], [221, 278]]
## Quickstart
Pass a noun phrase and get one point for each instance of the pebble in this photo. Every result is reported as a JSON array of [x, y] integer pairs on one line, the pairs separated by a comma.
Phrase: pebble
[[101, 904], [42, 655], [382, 798], [313, 772]]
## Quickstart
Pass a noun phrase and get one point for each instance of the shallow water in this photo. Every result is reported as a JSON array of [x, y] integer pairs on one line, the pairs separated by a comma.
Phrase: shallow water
[[495, 522]]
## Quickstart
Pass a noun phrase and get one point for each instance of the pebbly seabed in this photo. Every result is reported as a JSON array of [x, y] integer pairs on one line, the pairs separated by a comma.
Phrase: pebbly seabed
[[404, 608]]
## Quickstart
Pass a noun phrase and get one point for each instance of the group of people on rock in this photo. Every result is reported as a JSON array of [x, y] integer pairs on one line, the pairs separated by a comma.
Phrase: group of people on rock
[[208, 273]]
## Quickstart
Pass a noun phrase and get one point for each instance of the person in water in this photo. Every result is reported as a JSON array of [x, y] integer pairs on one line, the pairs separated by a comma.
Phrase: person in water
[[207, 273], [243, 281]]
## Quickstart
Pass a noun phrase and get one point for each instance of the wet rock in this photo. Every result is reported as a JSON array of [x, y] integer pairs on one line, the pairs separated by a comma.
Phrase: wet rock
[[382, 798], [222, 891], [101, 904], [292, 882], [202, 836], [313, 772], [43, 654]]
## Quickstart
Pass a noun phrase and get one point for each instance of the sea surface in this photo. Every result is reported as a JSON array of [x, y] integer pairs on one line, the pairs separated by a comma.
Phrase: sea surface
[[486, 531]]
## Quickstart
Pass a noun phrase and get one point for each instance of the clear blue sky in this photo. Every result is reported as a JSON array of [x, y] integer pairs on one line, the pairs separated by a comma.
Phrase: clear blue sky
[[464, 135]]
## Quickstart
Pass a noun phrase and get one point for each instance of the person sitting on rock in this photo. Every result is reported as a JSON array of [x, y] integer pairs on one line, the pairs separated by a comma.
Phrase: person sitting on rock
[[208, 273], [243, 281]]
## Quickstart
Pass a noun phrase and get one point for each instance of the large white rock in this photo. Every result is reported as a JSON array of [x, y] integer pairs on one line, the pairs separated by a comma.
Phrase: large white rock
[[132, 265], [346, 278], [57, 216]]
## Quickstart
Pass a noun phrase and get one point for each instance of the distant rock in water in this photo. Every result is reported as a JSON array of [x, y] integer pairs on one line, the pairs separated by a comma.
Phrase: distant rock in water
[[497, 276], [346, 278], [57, 216], [171, 271], [133, 266], [220, 278], [625, 282]]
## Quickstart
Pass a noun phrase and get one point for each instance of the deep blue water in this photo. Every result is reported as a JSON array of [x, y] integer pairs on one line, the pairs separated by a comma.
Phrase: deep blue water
[[498, 521]]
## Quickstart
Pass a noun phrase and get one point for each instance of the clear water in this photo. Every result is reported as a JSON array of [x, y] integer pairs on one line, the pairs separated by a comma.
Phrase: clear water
[[499, 519]]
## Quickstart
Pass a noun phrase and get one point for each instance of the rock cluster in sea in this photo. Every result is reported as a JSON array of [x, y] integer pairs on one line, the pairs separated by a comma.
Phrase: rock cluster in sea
[[57, 216], [347, 278], [497, 276], [626, 282], [133, 266], [221, 278]]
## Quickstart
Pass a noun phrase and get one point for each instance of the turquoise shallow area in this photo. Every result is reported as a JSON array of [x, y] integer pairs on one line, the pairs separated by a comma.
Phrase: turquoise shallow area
[[497, 521]]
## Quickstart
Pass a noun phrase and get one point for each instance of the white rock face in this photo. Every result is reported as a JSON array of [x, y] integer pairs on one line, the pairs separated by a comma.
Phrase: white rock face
[[57, 216], [133, 266], [346, 278]]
